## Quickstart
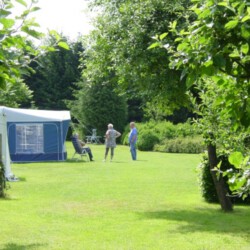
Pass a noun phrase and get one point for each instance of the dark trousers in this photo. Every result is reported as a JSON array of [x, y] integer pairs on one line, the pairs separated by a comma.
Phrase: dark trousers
[[89, 152]]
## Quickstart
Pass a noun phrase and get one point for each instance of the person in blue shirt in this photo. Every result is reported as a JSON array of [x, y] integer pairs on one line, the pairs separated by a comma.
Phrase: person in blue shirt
[[132, 140]]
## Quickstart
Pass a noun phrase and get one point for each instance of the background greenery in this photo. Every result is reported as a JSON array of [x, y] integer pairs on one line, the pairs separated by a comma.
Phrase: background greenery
[[164, 136], [153, 203]]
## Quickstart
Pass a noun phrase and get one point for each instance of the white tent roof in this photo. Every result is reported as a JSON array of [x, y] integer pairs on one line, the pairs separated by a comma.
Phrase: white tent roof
[[33, 115]]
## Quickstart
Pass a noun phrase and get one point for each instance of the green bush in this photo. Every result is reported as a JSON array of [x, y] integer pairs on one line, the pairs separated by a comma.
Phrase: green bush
[[191, 145], [125, 134], [146, 141], [206, 181], [164, 136]]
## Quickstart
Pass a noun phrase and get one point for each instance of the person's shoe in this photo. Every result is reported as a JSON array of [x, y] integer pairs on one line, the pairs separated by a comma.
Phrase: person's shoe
[[91, 159]]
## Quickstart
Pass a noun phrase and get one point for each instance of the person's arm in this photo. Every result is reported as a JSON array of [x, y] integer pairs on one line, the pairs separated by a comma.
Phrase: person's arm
[[82, 143], [133, 136], [117, 134], [107, 134]]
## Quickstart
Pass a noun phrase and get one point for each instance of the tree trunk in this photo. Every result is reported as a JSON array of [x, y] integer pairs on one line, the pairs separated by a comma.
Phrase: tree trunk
[[220, 186], [2, 181]]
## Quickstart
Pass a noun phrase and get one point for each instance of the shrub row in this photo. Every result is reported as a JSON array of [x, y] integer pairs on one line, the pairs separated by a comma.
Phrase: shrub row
[[190, 145], [166, 137]]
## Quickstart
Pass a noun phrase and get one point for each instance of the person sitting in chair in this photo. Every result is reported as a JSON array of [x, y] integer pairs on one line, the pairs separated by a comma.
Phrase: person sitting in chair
[[82, 144]]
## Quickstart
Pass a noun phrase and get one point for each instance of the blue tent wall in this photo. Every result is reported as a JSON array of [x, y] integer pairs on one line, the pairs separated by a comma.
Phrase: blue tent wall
[[53, 142]]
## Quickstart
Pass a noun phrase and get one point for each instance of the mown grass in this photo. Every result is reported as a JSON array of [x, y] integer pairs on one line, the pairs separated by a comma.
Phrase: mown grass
[[153, 203]]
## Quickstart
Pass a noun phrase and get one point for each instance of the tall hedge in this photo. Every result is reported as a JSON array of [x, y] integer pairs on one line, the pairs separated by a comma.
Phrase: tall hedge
[[98, 105]]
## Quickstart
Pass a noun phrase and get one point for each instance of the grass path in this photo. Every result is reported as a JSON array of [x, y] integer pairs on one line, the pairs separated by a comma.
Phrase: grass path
[[153, 203]]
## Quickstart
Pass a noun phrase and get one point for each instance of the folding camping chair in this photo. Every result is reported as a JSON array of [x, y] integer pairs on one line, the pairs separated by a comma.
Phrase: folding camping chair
[[93, 138], [79, 150]]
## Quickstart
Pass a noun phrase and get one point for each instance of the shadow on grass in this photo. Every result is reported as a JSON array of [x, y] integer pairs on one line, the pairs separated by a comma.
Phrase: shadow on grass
[[207, 220], [8, 198], [13, 246], [76, 161], [23, 179]]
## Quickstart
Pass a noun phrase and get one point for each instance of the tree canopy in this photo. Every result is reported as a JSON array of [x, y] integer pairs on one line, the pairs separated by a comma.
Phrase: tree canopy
[[55, 75], [119, 47]]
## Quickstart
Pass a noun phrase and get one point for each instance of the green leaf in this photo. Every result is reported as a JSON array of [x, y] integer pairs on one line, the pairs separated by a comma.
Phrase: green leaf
[[7, 23], [223, 4], [241, 9], [235, 54], [219, 165], [219, 60], [31, 32], [244, 48], [232, 24], [246, 59], [190, 81], [245, 32], [154, 45], [34, 9], [182, 46], [162, 36], [178, 39], [55, 34], [173, 24], [63, 45], [208, 63], [236, 159], [22, 2], [4, 13], [245, 18]]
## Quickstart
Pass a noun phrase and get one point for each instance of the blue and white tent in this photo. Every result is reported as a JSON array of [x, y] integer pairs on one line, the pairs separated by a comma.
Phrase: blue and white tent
[[34, 135]]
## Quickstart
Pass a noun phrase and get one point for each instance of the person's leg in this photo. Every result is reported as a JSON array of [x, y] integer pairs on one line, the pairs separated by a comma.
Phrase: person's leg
[[106, 153], [89, 153], [112, 154], [133, 151]]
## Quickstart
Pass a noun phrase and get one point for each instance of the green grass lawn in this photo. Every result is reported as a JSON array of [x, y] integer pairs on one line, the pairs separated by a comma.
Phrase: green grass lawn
[[153, 203]]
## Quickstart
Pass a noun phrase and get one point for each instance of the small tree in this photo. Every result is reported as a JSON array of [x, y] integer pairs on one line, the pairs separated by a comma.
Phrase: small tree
[[96, 106], [216, 45]]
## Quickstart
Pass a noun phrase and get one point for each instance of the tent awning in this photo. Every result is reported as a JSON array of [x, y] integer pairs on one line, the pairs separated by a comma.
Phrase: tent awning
[[31, 115]]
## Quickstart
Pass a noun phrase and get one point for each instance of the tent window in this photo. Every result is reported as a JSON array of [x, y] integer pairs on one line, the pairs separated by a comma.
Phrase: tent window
[[29, 138]]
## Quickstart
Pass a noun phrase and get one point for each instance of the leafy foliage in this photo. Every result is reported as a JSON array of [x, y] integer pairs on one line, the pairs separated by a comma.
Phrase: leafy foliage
[[215, 48], [206, 182], [17, 35], [216, 45], [14, 49], [147, 140], [239, 175], [15, 94]]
